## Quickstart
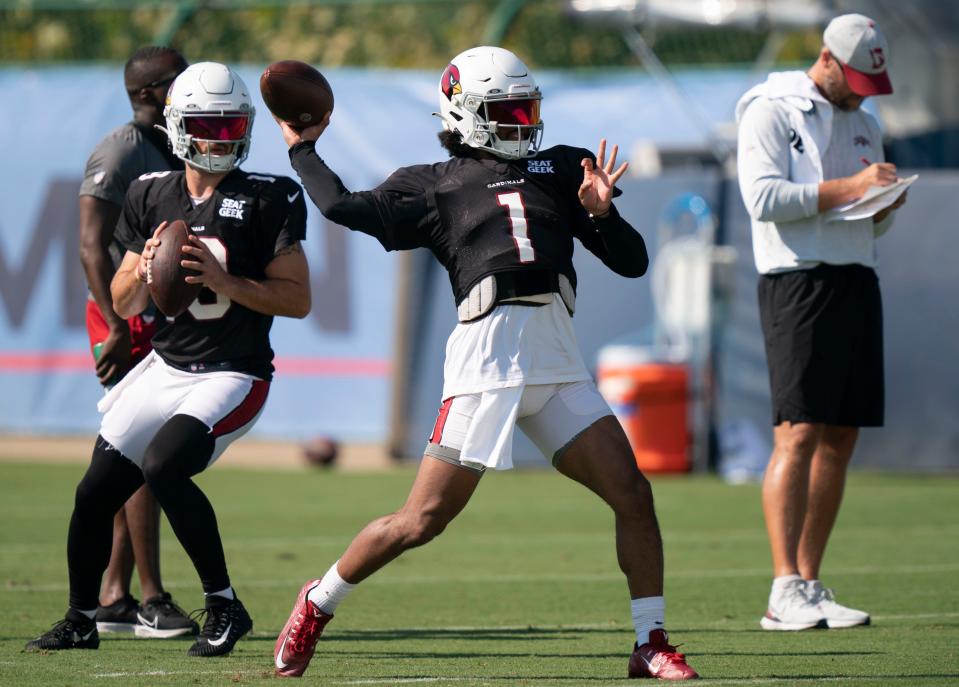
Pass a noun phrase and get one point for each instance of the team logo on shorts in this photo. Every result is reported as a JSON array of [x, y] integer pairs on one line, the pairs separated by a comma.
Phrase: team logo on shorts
[[450, 82]]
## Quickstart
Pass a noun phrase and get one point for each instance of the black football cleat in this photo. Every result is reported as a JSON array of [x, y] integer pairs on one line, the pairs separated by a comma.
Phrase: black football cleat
[[75, 631], [120, 616], [160, 618], [226, 622]]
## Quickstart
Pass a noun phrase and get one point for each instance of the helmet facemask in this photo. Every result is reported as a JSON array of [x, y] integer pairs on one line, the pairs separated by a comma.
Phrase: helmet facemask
[[214, 130], [513, 125]]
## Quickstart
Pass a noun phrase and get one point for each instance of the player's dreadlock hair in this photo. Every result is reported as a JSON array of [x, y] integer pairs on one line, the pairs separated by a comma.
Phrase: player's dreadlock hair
[[453, 142], [151, 52]]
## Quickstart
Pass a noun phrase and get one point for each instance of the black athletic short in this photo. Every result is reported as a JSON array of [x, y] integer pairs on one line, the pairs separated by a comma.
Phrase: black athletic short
[[823, 332]]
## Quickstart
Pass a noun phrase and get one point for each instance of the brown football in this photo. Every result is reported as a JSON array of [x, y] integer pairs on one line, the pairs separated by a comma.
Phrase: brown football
[[296, 93], [168, 287]]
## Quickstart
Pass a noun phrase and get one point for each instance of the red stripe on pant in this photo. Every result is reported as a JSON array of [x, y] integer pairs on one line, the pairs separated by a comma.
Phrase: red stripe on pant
[[437, 435], [244, 412]]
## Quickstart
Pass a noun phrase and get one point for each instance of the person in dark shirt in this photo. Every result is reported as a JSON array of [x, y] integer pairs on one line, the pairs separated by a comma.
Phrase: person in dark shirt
[[117, 344], [500, 216], [206, 381]]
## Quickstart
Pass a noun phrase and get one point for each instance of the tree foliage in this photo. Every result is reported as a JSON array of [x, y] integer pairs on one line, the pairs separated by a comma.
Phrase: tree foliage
[[400, 34]]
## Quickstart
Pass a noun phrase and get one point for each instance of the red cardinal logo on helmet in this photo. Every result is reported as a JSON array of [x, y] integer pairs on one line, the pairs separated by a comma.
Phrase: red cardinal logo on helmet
[[450, 82]]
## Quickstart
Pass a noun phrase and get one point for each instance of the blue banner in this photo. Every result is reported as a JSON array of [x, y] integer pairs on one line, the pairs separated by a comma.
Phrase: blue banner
[[334, 368]]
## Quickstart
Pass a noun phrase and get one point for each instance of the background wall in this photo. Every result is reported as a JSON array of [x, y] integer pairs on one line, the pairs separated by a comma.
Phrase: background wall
[[335, 369]]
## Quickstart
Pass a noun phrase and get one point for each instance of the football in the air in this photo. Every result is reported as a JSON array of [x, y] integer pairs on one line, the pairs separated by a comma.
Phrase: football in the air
[[296, 93], [168, 287]]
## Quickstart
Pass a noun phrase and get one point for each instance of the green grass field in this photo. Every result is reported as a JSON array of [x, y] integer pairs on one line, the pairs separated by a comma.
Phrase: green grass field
[[523, 588]]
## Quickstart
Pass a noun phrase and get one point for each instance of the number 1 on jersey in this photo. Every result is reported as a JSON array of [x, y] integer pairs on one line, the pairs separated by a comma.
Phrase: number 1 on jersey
[[517, 219]]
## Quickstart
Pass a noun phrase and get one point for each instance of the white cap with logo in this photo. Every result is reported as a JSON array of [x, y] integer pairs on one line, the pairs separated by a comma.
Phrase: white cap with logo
[[861, 49]]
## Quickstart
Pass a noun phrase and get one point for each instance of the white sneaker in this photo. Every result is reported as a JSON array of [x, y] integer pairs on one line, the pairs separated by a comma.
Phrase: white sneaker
[[790, 609], [836, 614]]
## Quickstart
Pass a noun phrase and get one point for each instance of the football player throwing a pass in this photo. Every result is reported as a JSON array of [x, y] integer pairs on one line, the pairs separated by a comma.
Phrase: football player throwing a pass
[[207, 379], [501, 216]]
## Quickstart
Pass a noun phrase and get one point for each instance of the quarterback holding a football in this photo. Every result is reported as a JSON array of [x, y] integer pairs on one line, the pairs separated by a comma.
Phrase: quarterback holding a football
[[501, 216], [206, 381]]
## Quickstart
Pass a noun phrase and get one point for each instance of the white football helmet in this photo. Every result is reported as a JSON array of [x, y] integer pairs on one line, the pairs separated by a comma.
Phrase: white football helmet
[[209, 103], [488, 95]]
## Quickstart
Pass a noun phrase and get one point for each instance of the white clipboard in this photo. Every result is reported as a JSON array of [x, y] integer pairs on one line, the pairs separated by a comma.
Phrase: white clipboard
[[875, 199]]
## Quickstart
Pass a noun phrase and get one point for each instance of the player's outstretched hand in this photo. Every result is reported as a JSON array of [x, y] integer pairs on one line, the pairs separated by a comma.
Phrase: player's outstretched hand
[[149, 250], [596, 191], [311, 133], [211, 273]]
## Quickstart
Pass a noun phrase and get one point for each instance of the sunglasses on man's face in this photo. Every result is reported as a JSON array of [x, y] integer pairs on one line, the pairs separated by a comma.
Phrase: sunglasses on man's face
[[153, 84]]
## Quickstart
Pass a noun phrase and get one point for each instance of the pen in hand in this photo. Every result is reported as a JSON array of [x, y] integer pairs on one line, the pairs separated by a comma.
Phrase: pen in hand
[[887, 172]]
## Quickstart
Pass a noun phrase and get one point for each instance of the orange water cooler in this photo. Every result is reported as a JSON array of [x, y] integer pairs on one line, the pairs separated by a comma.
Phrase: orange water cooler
[[651, 400]]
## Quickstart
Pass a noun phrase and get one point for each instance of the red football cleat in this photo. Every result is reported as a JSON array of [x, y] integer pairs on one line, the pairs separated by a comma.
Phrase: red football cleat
[[297, 642], [657, 658]]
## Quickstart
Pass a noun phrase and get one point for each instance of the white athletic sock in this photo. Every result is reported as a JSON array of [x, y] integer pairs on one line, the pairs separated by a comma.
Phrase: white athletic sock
[[649, 613], [225, 593], [780, 582], [779, 586], [90, 614], [331, 591]]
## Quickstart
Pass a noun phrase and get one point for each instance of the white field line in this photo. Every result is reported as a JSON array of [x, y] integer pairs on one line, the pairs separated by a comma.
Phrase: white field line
[[401, 680], [477, 579], [165, 673], [881, 679], [548, 540], [596, 626], [917, 616], [611, 626]]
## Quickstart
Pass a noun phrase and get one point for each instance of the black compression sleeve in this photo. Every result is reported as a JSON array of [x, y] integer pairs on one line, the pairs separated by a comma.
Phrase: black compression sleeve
[[328, 193], [624, 246]]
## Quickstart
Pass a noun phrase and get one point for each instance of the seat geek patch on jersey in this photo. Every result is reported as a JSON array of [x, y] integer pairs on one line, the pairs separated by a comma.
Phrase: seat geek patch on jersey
[[230, 207], [540, 167]]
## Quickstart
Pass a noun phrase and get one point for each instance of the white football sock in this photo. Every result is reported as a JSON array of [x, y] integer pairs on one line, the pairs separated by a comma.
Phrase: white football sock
[[649, 613], [225, 593], [331, 590]]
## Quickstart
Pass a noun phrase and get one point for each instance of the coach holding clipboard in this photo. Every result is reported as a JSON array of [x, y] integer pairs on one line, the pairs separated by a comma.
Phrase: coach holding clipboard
[[806, 147]]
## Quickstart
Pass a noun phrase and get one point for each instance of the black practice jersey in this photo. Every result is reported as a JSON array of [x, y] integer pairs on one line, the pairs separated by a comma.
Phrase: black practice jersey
[[247, 220], [481, 216]]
